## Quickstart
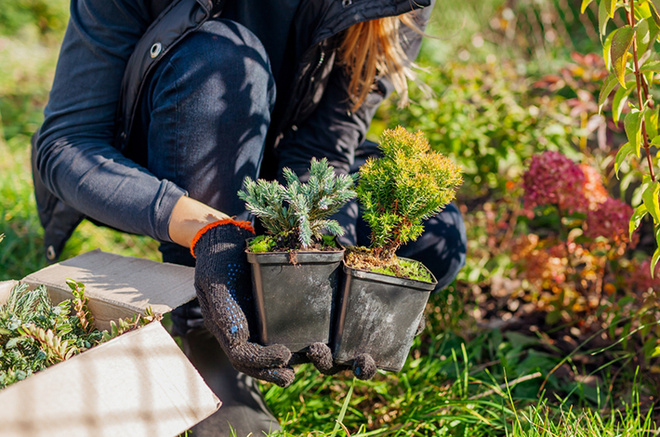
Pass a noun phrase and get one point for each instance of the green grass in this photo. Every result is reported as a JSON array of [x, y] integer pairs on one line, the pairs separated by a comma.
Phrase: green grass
[[455, 388]]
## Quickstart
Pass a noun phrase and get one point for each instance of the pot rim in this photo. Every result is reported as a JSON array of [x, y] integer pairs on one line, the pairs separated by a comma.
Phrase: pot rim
[[302, 256], [394, 280]]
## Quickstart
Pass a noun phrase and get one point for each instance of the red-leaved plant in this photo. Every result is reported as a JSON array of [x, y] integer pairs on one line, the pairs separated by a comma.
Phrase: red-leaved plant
[[570, 267]]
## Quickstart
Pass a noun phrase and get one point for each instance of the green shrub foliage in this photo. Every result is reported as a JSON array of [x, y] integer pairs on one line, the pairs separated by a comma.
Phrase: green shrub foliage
[[488, 118], [34, 334], [299, 212], [408, 184], [45, 16]]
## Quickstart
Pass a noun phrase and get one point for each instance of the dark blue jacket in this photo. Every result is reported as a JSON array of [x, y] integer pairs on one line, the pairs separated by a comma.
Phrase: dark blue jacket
[[108, 51]]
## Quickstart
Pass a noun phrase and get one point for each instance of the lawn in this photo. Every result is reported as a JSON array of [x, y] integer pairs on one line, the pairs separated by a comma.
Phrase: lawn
[[552, 329]]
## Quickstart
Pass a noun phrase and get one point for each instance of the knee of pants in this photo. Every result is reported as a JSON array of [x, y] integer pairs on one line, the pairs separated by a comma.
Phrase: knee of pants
[[206, 112], [442, 247], [227, 52]]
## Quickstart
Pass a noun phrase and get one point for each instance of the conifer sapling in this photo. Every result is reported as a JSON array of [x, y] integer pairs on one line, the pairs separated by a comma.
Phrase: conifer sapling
[[408, 184], [297, 215]]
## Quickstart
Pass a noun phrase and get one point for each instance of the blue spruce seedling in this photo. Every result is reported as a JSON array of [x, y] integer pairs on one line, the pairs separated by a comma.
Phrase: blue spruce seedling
[[296, 216]]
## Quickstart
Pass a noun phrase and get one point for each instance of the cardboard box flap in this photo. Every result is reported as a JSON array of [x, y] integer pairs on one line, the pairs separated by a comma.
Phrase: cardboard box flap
[[119, 286], [5, 289], [138, 384]]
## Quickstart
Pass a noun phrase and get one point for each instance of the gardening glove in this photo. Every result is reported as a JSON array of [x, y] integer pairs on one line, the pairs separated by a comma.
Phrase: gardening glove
[[320, 355], [223, 287]]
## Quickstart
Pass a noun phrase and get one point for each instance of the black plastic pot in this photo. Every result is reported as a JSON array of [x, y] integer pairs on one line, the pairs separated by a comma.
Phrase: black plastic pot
[[379, 315], [294, 302]]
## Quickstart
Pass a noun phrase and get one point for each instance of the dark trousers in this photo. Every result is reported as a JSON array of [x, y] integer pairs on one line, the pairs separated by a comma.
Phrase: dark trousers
[[203, 122]]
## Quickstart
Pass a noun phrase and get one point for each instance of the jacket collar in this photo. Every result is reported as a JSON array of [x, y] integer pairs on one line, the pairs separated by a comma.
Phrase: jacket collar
[[338, 15]]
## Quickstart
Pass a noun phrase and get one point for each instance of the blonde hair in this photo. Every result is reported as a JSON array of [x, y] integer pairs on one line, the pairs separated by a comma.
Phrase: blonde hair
[[373, 48]]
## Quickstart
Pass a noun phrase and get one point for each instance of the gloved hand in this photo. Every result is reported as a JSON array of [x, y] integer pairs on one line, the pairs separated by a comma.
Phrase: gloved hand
[[223, 286], [363, 367], [320, 355]]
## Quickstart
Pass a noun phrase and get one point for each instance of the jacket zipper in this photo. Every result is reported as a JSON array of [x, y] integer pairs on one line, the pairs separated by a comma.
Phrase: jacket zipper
[[318, 65], [308, 86]]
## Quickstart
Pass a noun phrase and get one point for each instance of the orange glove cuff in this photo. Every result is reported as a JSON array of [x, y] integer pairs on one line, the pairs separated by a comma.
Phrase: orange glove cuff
[[241, 224]]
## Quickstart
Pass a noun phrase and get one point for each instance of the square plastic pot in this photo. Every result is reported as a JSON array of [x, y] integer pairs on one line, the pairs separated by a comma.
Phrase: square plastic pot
[[378, 314], [294, 302]]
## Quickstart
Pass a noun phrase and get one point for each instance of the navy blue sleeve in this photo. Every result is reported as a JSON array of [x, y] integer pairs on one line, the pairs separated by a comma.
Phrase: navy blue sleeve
[[75, 156], [333, 131]]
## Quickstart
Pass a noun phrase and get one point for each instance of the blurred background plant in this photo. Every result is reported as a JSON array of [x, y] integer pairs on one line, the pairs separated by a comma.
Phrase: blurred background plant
[[552, 324]]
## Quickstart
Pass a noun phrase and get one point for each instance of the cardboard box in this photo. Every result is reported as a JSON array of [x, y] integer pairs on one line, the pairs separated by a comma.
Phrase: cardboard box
[[138, 384]]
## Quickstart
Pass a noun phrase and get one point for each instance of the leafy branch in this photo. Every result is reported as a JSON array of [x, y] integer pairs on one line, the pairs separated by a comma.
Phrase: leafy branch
[[630, 53]]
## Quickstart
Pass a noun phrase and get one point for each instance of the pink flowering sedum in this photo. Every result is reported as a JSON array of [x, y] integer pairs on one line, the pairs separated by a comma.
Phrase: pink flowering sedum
[[553, 179]]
